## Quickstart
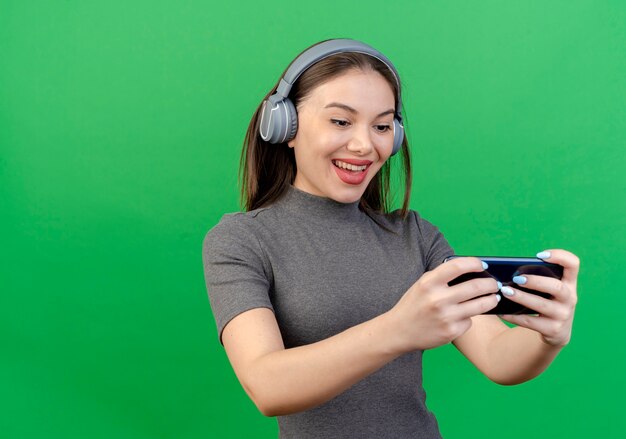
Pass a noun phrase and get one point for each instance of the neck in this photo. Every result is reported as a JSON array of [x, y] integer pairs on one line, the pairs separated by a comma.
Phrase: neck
[[299, 201]]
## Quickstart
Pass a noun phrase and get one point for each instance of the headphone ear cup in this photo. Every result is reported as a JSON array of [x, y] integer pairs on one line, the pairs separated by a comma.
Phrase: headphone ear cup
[[398, 136], [279, 121], [266, 123], [292, 120]]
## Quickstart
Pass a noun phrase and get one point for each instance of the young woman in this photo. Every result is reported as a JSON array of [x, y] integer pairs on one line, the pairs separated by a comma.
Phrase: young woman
[[324, 300]]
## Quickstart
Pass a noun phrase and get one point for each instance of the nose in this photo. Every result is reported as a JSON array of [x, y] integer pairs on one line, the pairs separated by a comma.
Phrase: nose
[[361, 141]]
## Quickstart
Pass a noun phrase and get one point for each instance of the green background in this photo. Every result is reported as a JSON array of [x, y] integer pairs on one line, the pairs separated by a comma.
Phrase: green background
[[121, 125]]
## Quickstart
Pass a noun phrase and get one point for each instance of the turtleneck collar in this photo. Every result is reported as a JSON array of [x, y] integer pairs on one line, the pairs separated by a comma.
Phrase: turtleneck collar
[[299, 201]]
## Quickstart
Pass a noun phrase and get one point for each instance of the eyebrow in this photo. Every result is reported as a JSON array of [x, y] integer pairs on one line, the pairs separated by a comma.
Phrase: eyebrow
[[353, 111]]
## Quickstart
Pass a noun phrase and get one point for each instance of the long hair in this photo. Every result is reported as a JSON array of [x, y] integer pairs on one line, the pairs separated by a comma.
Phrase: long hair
[[267, 170]]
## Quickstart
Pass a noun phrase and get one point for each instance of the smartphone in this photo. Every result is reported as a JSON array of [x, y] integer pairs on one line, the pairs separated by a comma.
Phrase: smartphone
[[504, 269]]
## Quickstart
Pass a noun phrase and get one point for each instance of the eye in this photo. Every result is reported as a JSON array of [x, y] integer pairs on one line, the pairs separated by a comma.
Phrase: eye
[[382, 128], [340, 123]]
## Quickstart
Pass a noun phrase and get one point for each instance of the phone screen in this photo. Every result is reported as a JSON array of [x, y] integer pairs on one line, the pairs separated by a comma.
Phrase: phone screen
[[504, 269]]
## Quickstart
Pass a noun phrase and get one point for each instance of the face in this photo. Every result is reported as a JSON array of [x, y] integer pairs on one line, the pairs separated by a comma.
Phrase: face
[[345, 135]]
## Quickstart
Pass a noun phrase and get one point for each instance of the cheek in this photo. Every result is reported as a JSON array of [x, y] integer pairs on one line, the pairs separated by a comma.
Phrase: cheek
[[332, 141], [384, 150], [323, 145]]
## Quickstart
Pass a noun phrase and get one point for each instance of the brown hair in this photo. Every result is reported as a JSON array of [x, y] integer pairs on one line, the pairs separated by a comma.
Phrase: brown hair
[[267, 170]]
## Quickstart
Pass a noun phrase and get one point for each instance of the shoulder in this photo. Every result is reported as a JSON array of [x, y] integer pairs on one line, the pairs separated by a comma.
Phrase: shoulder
[[236, 224], [395, 222], [240, 236]]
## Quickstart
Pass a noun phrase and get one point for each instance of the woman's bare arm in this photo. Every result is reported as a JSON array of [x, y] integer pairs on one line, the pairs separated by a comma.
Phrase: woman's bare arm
[[283, 381], [505, 355]]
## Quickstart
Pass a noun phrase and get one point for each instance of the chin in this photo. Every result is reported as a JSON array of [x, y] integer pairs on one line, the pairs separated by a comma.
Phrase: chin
[[348, 195]]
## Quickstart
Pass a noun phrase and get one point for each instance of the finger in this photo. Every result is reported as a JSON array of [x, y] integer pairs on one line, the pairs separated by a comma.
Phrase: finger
[[559, 291], [543, 284], [471, 289], [546, 307], [456, 267], [476, 307], [569, 261]]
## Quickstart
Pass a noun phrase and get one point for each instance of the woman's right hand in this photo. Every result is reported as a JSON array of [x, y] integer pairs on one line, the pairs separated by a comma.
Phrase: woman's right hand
[[431, 313]]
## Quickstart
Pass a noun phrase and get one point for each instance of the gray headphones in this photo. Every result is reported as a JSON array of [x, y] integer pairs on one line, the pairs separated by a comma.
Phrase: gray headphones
[[279, 119]]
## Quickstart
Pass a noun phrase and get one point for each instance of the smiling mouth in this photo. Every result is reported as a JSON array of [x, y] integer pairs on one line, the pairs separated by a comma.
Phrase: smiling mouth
[[349, 166]]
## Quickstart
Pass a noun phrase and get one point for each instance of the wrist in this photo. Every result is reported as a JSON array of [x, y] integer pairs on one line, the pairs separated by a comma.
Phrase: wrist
[[392, 343]]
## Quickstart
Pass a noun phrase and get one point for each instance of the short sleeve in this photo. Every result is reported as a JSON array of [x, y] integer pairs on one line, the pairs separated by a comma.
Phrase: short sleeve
[[435, 246], [236, 270]]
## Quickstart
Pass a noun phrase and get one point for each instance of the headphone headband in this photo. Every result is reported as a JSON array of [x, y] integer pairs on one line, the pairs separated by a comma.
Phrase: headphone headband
[[324, 50], [279, 119]]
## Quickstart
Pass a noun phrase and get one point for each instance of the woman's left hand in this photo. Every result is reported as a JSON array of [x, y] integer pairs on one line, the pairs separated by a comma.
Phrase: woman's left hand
[[556, 315]]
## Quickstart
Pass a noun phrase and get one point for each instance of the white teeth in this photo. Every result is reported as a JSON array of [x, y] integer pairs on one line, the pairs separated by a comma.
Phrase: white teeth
[[348, 166]]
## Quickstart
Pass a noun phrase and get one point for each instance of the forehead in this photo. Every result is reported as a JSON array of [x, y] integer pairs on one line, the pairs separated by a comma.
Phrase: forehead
[[357, 88]]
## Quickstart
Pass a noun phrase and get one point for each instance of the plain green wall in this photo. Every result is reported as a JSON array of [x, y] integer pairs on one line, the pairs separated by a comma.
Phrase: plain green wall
[[121, 125]]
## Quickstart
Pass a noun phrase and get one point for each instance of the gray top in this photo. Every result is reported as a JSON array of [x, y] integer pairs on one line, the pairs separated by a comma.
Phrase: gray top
[[323, 267]]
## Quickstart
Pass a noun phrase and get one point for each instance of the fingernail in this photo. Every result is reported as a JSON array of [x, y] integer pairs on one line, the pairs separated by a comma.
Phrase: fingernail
[[507, 291], [520, 280], [485, 264], [498, 297], [543, 255], [499, 285]]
